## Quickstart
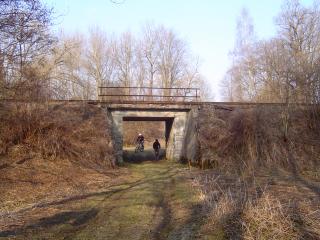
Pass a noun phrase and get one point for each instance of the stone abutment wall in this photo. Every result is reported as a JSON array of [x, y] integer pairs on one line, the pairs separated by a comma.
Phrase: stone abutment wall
[[180, 130]]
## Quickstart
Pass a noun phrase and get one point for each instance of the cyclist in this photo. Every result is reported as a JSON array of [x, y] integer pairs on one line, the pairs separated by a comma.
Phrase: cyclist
[[156, 148], [140, 140]]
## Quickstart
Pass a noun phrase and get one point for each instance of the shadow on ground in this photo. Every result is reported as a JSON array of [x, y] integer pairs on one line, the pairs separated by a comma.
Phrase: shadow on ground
[[129, 155], [75, 218], [155, 201]]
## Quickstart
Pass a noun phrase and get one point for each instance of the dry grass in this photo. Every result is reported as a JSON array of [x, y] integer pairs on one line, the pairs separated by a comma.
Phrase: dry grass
[[258, 209], [268, 185], [246, 139], [266, 218], [56, 131], [310, 217], [50, 152]]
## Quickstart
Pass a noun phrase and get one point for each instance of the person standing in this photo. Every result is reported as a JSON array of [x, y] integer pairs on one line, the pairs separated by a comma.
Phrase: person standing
[[156, 148]]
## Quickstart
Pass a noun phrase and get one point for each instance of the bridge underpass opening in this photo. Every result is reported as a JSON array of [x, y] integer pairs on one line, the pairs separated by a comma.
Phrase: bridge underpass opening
[[151, 128], [176, 128]]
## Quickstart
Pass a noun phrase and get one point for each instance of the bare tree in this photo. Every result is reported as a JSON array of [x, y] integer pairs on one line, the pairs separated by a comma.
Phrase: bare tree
[[71, 74], [149, 47], [240, 76], [25, 39], [99, 60], [299, 30], [284, 68], [125, 61], [172, 60], [158, 58]]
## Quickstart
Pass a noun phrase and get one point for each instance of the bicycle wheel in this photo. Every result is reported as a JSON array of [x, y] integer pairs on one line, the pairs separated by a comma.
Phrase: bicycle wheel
[[136, 149], [141, 148]]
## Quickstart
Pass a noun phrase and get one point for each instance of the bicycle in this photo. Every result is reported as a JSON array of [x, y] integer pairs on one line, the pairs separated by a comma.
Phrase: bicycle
[[139, 147]]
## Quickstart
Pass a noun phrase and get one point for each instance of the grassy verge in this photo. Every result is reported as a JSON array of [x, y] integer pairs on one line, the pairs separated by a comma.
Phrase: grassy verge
[[153, 200]]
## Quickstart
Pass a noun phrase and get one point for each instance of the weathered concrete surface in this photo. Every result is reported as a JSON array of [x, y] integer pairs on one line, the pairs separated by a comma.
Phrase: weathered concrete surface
[[175, 128], [190, 143], [181, 124]]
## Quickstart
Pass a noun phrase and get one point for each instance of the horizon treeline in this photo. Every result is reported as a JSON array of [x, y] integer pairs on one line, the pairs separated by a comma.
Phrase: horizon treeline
[[36, 64], [282, 69]]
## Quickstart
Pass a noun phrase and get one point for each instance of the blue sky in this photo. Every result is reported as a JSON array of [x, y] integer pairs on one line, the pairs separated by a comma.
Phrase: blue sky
[[208, 26]]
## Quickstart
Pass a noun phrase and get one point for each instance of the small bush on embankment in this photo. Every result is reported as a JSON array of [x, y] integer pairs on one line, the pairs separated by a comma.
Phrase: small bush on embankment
[[264, 179], [48, 151]]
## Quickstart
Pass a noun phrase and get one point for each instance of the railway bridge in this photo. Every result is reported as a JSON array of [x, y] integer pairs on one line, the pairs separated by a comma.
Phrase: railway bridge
[[177, 107]]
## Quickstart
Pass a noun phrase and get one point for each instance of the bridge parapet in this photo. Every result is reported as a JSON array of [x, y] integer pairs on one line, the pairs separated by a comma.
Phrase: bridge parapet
[[149, 106], [148, 94]]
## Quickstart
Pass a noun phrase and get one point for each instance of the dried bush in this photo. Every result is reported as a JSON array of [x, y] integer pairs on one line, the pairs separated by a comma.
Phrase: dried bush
[[310, 217], [224, 199], [245, 209], [58, 131], [246, 139], [53, 151], [267, 218], [256, 189]]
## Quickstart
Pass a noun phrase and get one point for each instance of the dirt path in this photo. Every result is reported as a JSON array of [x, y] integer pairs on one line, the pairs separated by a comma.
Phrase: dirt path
[[156, 201]]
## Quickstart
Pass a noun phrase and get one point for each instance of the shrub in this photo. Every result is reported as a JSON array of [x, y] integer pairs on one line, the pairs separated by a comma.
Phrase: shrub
[[246, 139], [65, 131]]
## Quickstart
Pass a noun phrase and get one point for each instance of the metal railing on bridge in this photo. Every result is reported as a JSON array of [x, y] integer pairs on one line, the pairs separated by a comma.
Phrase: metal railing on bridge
[[148, 94]]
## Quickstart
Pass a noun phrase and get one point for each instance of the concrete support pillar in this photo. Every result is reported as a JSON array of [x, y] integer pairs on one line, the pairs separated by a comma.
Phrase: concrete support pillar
[[175, 129], [117, 134], [168, 128], [190, 143]]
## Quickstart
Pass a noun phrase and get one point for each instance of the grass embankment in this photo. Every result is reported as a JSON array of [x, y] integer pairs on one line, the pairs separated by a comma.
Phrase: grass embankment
[[265, 182], [58, 182], [50, 152]]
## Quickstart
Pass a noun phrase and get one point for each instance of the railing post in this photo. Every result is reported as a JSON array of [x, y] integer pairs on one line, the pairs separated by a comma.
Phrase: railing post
[[196, 94]]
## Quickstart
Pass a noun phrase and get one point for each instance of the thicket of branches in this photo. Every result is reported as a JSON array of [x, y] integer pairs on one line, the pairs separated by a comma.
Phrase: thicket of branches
[[24, 46], [159, 58], [35, 64], [285, 68]]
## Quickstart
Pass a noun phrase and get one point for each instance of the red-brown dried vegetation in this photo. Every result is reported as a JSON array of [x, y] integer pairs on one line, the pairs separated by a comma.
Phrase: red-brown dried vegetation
[[51, 151], [265, 181]]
